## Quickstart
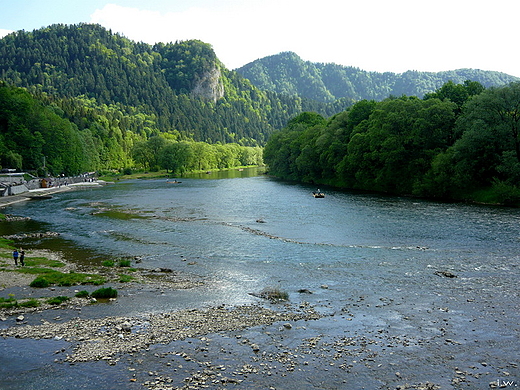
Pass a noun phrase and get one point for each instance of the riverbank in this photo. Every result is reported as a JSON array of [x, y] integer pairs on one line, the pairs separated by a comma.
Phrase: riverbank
[[382, 293], [163, 174], [40, 192], [100, 338]]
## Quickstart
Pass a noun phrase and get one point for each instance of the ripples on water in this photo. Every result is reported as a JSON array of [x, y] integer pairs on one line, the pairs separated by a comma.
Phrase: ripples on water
[[209, 227], [376, 255]]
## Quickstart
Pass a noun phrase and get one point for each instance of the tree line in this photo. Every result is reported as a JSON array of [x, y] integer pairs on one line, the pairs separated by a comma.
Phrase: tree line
[[179, 157], [37, 136], [459, 142], [90, 64], [286, 73]]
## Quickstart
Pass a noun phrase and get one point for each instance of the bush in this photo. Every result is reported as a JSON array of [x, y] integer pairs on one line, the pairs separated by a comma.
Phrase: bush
[[105, 292], [273, 294], [8, 303], [124, 263], [82, 294], [108, 263], [57, 300], [30, 303], [40, 282], [60, 278]]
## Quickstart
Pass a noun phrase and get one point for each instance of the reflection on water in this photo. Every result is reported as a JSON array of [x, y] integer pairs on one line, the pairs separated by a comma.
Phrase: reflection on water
[[373, 265], [211, 228], [236, 173]]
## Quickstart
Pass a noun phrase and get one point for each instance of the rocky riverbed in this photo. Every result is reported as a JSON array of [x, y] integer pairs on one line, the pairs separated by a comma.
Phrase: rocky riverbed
[[107, 338], [442, 328], [373, 342]]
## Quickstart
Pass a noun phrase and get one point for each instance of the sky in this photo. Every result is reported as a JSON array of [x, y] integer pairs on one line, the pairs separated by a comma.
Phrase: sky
[[373, 35]]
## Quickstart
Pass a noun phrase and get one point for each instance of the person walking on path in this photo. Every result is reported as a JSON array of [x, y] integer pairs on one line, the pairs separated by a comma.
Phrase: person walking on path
[[15, 256], [22, 257]]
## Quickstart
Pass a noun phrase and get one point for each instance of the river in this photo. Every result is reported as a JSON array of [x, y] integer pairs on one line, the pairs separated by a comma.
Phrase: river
[[374, 266]]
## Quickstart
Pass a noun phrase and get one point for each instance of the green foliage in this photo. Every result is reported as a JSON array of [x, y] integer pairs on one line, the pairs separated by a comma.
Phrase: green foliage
[[105, 292], [180, 157], [185, 63], [5, 243], [30, 303], [40, 282], [124, 263], [82, 294], [11, 302], [8, 303], [288, 74], [57, 300], [86, 99], [428, 147], [457, 93], [92, 100], [50, 277], [125, 278], [273, 294], [108, 263], [43, 261]]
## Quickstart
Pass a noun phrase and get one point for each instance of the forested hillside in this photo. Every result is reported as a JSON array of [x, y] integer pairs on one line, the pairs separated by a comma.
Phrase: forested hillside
[[460, 142], [286, 73], [117, 93], [182, 85]]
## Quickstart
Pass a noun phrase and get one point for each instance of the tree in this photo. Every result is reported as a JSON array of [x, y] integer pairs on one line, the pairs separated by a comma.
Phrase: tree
[[457, 93], [489, 147], [176, 157]]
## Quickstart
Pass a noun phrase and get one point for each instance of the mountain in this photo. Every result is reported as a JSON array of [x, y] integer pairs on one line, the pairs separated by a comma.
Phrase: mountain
[[181, 87], [287, 73]]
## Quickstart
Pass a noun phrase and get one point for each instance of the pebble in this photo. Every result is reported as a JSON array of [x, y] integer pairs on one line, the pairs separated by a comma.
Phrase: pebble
[[160, 328]]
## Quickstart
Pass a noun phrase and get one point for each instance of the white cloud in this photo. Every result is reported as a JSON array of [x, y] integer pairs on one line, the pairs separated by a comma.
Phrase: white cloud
[[3, 32], [379, 35]]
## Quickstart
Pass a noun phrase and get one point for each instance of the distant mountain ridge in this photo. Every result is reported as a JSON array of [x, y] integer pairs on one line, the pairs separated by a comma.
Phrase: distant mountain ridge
[[181, 86], [287, 73]]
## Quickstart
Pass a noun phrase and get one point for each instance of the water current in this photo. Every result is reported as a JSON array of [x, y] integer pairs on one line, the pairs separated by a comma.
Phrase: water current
[[248, 231]]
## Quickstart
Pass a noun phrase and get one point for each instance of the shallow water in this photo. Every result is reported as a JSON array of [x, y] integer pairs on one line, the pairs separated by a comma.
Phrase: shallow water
[[368, 256]]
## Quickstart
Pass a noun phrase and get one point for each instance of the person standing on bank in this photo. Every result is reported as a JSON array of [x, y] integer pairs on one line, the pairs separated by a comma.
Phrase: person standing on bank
[[15, 256], [22, 257]]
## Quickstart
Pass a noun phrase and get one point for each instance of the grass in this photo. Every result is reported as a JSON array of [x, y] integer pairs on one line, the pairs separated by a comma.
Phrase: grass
[[500, 193], [46, 271], [6, 244], [125, 278], [274, 294], [43, 261], [50, 277], [82, 294], [57, 300], [124, 263], [40, 282], [30, 303], [120, 263], [8, 303], [105, 292]]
